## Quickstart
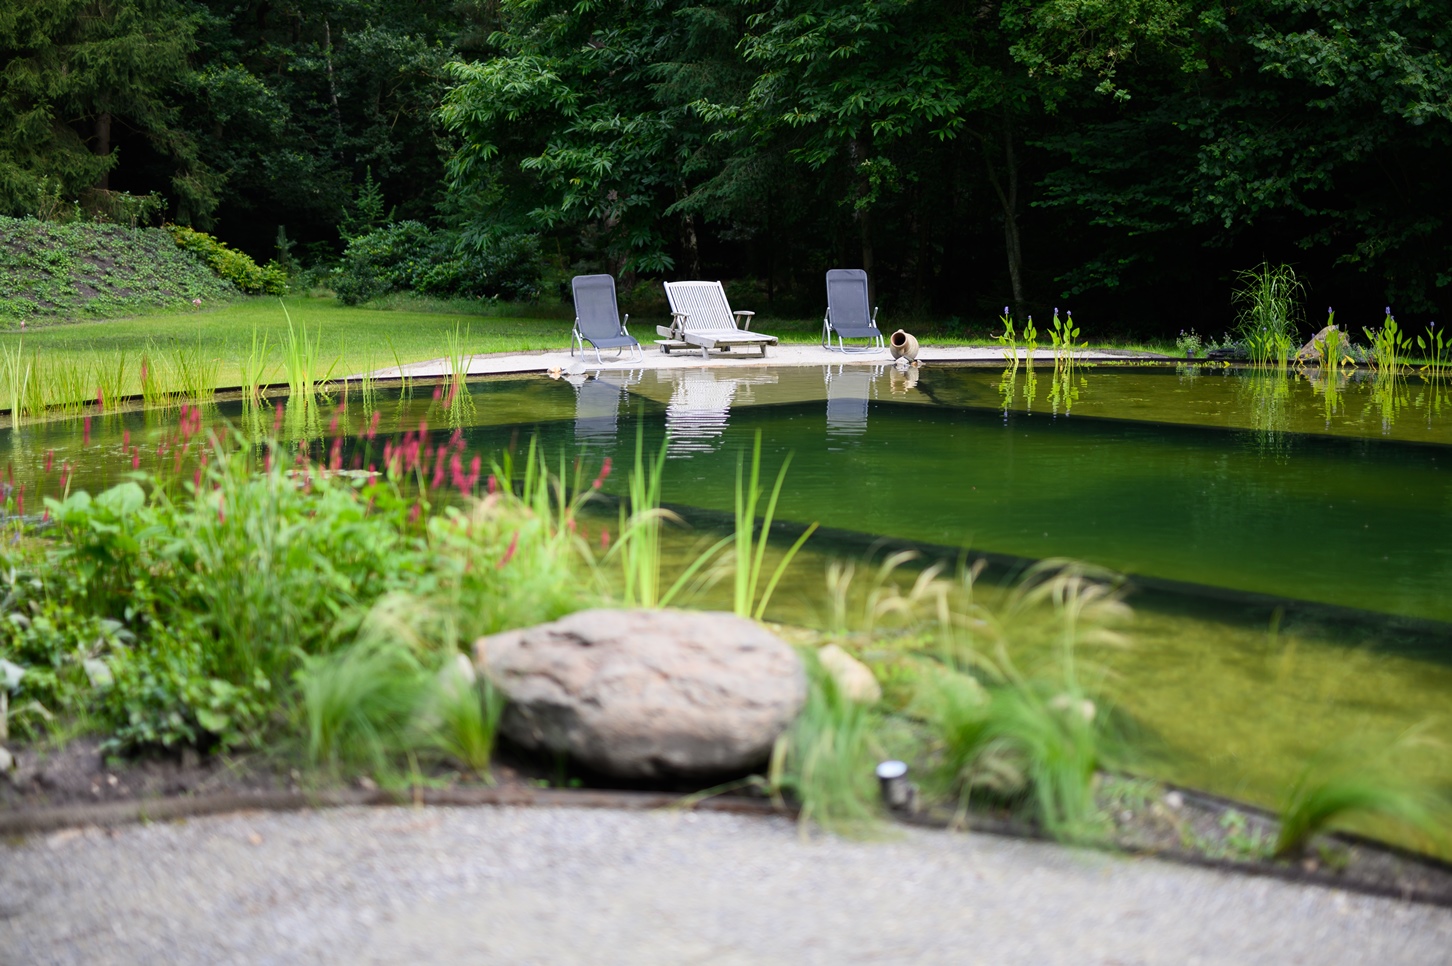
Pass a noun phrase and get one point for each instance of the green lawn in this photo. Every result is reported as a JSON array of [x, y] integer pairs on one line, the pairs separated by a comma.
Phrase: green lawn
[[69, 356], [353, 338]]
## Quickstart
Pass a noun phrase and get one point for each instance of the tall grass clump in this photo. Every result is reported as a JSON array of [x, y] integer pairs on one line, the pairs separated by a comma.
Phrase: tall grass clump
[[1028, 741], [751, 541], [15, 374], [1270, 312], [825, 760], [1327, 793], [460, 717], [1388, 346], [359, 703]]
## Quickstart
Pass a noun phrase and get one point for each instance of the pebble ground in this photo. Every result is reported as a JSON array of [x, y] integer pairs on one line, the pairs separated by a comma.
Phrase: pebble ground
[[505, 885]]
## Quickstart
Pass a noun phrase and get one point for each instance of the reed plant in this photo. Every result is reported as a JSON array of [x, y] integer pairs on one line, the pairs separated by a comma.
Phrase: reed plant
[[15, 373], [109, 375], [637, 550], [254, 369], [751, 540], [1269, 296]]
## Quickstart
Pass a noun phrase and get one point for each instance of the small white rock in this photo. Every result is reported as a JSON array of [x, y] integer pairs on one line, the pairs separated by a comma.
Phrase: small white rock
[[1175, 800]]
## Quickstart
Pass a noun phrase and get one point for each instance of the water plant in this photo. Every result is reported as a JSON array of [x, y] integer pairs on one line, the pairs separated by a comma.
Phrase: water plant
[[1436, 347], [1008, 339], [1389, 345], [751, 541], [254, 370], [1269, 296], [1063, 334]]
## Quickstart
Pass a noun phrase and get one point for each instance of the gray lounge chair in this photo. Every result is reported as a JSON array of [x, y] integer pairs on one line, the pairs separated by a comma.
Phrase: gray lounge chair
[[847, 312], [702, 318], [597, 318]]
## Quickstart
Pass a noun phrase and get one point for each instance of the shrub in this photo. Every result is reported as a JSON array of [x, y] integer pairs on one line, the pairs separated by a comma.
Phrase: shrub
[[176, 610], [409, 256], [234, 266]]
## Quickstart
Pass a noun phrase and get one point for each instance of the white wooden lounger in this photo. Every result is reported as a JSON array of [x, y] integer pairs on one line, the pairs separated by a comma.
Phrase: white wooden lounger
[[701, 318]]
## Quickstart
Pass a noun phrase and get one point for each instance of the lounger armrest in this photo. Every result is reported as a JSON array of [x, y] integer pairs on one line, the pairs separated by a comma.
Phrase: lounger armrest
[[623, 323], [743, 319]]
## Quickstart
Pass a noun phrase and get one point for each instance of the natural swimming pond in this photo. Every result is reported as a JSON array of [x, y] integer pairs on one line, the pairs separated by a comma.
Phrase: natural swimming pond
[[1287, 539]]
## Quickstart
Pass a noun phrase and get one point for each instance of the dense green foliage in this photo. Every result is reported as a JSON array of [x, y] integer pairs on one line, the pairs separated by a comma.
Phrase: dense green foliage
[[178, 613], [409, 256], [234, 266], [54, 269], [1134, 155]]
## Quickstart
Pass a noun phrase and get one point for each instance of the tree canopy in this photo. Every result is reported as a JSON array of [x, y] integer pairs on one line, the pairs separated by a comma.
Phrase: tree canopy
[[1128, 155]]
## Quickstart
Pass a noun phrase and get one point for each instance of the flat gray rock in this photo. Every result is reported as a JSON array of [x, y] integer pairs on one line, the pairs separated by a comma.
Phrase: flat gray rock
[[647, 693]]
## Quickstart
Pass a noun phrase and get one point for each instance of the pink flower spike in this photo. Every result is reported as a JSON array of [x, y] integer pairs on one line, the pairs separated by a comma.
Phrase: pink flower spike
[[491, 484], [438, 391], [414, 513], [136, 459], [49, 460], [604, 539], [277, 419], [125, 439], [333, 426], [85, 432], [373, 425], [509, 554], [604, 474], [101, 400]]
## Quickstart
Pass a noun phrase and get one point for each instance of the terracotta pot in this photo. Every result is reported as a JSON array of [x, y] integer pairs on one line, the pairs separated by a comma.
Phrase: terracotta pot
[[903, 346]]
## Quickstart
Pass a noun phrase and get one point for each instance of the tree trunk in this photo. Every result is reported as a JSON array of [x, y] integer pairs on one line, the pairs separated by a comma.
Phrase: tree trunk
[[1008, 200], [864, 221], [101, 146]]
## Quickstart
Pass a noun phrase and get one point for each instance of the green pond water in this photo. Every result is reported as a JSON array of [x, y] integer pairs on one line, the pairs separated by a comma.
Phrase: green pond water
[[1288, 541]]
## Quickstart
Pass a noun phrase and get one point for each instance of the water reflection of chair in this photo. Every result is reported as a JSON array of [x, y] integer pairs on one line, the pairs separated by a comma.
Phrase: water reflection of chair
[[848, 391], [697, 412], [597, 407]]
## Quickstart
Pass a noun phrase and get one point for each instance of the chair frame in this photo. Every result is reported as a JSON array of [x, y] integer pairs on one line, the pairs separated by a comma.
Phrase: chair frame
[[578, 338], [877, 342]]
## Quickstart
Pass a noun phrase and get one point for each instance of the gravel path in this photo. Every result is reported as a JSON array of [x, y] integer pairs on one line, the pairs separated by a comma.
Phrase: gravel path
[[504, 885]]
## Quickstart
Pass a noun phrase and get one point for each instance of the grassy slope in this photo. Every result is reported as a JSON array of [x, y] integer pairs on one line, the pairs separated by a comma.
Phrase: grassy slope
[[86, 269]]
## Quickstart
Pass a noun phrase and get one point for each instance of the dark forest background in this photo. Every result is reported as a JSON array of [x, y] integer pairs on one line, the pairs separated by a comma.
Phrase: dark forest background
[[1123, 157]]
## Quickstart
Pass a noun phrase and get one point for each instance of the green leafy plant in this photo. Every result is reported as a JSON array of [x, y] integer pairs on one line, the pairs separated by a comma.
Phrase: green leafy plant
[[1389, 345], [1436, 347], [234, 266], [1269, 296]]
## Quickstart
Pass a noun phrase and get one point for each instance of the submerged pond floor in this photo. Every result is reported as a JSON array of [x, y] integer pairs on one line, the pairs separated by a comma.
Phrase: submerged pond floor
[[1288, 542]]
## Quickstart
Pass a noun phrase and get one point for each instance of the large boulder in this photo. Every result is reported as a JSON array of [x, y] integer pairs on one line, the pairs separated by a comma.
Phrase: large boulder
[[647, 693]]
